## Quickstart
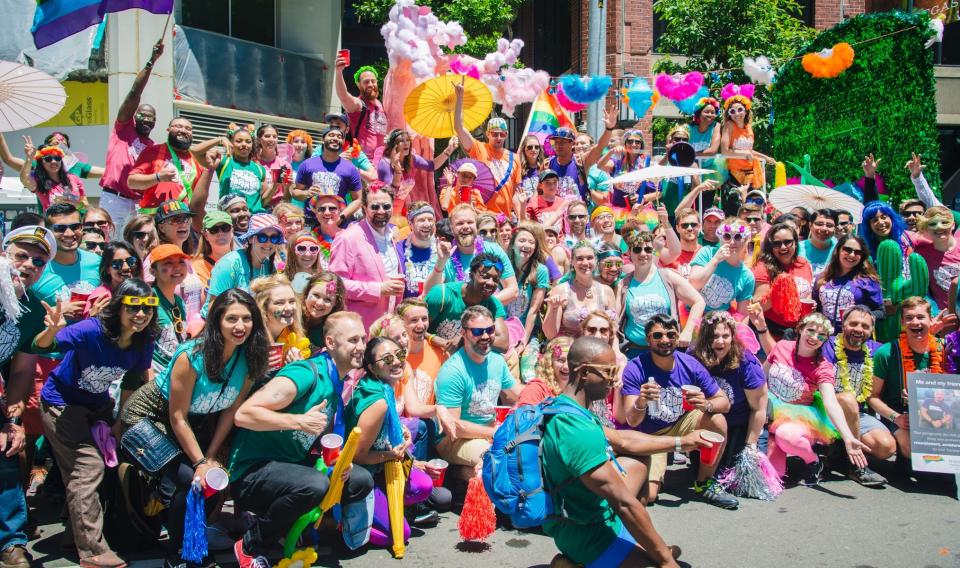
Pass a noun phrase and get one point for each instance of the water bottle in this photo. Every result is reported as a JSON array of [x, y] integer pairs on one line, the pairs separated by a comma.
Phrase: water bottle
[[653, 406]]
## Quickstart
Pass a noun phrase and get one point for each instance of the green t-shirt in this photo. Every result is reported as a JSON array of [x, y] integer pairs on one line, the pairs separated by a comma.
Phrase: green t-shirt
[[208, 396], [58, 279], [886, 365], [245, 180], [473, 388], [450, 271], [233, 271], [445, 305], [368, 392], [80, 169], [287, 446], [17, 335], [572, 446]]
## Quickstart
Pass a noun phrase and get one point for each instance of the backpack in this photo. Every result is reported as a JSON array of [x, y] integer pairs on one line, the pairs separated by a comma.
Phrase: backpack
[[512, 467]]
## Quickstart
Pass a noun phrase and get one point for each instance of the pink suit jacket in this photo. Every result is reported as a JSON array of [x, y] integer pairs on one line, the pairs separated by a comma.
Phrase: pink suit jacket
[[355, 259]]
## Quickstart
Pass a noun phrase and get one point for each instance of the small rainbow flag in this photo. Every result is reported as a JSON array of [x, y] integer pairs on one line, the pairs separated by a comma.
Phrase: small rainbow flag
[[55, 20], [546, 116]]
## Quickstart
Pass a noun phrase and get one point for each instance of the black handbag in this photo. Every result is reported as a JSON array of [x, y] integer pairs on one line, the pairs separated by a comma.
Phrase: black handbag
[[148, 447]]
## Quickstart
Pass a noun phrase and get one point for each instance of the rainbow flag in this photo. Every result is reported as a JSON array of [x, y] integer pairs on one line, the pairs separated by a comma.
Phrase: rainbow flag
[[58, 19], [545, 117]]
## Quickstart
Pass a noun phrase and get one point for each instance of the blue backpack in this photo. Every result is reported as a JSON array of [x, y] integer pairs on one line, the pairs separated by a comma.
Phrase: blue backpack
[[512, 470]]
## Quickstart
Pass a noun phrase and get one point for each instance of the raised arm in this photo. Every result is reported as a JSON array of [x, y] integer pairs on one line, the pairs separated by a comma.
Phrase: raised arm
[[130, 103], [610, 123], [29, 151], [8, 158], [466, 139], [350, 103]]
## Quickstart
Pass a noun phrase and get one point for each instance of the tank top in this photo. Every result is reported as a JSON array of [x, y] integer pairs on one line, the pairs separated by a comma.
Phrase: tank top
[[643, 300], [575, 312], [741, 139]]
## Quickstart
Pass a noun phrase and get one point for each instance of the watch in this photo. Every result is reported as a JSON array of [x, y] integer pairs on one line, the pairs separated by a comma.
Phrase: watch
[[709, 406], [15, 420], [676, 444]]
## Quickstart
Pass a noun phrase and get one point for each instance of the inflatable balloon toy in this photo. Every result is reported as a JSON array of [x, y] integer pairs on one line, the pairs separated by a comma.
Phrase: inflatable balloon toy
[[689, 104], [585, 90], [830, 62], [678, 87], [760, 70]]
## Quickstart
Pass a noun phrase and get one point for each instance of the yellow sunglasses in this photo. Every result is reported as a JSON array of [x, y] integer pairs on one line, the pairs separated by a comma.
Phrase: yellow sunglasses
[[152, 301]]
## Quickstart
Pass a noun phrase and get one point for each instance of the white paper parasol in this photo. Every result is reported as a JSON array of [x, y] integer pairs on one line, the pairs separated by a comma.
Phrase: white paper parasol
[[656, 172], [27, 96], [813, 197]]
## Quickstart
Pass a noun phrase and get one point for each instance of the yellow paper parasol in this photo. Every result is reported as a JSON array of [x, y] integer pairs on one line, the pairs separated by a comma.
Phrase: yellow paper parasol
[[396, 482], [429, 107]]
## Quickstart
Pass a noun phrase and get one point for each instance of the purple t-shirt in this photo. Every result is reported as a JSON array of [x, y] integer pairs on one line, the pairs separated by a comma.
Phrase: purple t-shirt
[[748, 376], [571, 186], [855, 360], [842, 293], [385, 171], [342, 175], [91, 364], [686, 371]]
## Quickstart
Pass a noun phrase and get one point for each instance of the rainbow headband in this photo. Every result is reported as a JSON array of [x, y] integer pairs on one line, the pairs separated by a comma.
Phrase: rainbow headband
[[49, 151], [305, 238]]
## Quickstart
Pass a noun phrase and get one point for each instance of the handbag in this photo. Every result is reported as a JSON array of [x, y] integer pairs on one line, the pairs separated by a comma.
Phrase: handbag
[[148, 447]]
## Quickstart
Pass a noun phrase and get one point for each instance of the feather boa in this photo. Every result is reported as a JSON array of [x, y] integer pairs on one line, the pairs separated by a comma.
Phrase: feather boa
[[760, 70], [9, 299], [678, 87], [585, 89], [829, 62]]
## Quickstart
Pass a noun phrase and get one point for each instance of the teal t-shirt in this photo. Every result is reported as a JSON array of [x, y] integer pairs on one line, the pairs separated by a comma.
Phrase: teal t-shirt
[[473, 388], [233, 271], [287, 446], [208, 396], [368, 392], [818, 258], [168, 341], [521, 306], [726, 284], [572, 446], [450, 271], [58, 279], [445, 305], [245, 180], [643, 301]]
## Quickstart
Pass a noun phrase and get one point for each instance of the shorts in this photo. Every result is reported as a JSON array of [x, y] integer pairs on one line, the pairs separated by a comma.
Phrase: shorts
[[688, 423], [869, 423], [467, 452], [617, 552]]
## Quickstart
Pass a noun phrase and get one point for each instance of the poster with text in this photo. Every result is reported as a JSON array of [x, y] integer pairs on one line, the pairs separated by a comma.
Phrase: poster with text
[[934, 422]]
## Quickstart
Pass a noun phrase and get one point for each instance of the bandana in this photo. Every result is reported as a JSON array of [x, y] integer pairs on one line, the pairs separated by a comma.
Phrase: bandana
[[414, 213]]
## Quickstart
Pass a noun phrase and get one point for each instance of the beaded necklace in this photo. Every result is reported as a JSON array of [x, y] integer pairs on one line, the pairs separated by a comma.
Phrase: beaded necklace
[[458, 263], [843, 369], [906, 355]]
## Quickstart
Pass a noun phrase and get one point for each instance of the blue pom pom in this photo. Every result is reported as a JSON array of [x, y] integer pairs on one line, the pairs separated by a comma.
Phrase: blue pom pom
[[195, 526], [585, 90]]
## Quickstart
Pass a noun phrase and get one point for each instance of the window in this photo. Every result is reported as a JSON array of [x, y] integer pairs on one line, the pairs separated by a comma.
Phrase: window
[[251, 20], [948, 52]]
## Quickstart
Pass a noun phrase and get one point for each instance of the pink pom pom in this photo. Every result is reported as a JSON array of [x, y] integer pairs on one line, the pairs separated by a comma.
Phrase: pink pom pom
[[732, 90], [679, 87], [566, 103]]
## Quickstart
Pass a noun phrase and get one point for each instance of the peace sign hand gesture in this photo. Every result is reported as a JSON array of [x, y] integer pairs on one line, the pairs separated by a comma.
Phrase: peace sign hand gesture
[[55, 319], [28, 148]]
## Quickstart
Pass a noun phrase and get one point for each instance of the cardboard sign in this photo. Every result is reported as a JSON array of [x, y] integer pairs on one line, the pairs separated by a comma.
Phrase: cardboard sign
[[934, 422], [87, 105]]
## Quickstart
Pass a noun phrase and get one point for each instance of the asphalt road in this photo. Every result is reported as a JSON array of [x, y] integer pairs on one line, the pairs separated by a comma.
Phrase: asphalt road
[[909, 523]]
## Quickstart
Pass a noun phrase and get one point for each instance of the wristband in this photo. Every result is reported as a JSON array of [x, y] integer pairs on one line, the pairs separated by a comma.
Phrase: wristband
[[762, 331], [200, 462], [157, 175], [438, 271], [676, 444], [639, 408], [15, 420], [893, 416], [149, 65]]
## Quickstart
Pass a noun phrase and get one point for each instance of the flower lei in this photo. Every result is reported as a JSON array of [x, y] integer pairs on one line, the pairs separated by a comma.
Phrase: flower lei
[[408, 259], [458, 263], [936, 355], [843, 369]]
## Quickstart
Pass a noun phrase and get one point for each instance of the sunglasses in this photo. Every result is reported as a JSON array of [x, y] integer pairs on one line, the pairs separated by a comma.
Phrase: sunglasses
[[37, 261], [96, 224], [61, 228], [487, 232], [843, 224], [140, 234], [481, 331], [737, 111], [786, 243], [94, 245], [576, 217], [675, 139], [496, 134], [326, 208], [754, 219], [531, 147], [633, 142], [689, 225], [607, 372], [814, 334], [658, 335], [134, 304], [272, 239], [178, 325], [754, 200], [914, 213], [305, 248], [391, 358], [591, 330], [118, 264], [736, 237], [851, 250], [221, 228], [639, 250], [51, 159], [612, 264], [177, 220], [381, 207]]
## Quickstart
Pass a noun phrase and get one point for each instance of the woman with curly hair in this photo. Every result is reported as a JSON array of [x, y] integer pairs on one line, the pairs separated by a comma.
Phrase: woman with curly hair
[[783, 280], [399, 160], [551, 374], [569, 302], [302, 144]]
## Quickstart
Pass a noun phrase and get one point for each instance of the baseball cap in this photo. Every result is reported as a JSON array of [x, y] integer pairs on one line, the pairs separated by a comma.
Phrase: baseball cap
[[467, 167], [172, 208], [496, 123], [165, 251], [33, 235], [337, 116], [714, 212], [756, 193], [214, 218], [547, 174], [564, 133]]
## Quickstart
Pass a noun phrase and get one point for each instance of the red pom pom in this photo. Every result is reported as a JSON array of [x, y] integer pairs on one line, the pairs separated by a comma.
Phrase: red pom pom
[[786, 298], [478, 519]]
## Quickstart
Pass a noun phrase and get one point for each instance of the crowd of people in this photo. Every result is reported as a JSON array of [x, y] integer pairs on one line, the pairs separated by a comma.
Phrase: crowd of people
[[315, 296]]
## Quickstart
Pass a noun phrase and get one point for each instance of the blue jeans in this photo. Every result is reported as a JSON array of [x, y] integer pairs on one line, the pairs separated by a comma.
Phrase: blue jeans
[[13, 505]]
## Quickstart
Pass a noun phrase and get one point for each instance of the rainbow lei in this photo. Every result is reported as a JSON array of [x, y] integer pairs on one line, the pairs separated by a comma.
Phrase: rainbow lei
[[458, 263], [843, 370]]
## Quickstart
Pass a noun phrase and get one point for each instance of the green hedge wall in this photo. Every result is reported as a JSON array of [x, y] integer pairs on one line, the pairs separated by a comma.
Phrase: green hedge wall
[[884, 104]]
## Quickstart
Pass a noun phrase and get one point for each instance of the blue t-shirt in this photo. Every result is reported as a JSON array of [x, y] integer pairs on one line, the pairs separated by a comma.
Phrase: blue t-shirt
[[643, 301], [233, 271], [91, 364], [818, 258], [726, 284], [471, 387], [749, 375], [208, 397], [686, 371], [58, 279], [450, 271]]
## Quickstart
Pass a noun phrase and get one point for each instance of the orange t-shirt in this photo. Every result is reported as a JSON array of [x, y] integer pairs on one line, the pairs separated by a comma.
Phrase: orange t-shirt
[[426, 365], [499, 162]]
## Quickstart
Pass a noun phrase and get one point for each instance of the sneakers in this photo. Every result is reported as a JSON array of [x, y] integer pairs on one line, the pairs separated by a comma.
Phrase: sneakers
[[247, 561], [711, 492], [867, 477], [422, 516], [177, 562], [15, 557], [811, 474]]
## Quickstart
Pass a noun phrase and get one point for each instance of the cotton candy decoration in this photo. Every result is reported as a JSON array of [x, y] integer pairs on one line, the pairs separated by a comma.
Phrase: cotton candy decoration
[[9, 301], [760, 70], [689, 104], [640, 97], [519, 86], [415, 34], [935, 26], [585, 90], [465, 65], [732, 90], [678, 87], [566, 103]]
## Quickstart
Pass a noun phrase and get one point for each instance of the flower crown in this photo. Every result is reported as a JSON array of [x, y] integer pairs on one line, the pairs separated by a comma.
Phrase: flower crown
[[747, 103], [49, 151]]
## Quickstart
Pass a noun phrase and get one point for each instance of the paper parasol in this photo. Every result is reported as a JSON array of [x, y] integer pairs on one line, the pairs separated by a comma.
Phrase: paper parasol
[[27, 96], [429, 107], [484, 182], [812, 197], [396, 481], [655, 172]]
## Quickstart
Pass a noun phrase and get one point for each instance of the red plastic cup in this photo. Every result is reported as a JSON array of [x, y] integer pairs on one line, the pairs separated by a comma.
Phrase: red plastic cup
[[807, 307], [216, 480], [442, 466], [709, 456], [420, 288], [344, 53], [276, 350], [688, 390], [330, 448], [79, 296], [502, 412], [465, 195]]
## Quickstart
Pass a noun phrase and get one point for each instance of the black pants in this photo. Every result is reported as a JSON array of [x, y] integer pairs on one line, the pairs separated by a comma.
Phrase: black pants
[[175, 482], [736, 441], [280, 493]]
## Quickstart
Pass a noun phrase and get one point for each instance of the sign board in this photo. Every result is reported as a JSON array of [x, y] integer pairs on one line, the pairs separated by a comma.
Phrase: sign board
[[87, 105], [934, 422]]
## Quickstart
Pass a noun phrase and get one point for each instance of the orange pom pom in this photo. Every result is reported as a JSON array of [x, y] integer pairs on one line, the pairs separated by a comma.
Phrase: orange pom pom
[[830, 62], [478, 519], [786, 299]]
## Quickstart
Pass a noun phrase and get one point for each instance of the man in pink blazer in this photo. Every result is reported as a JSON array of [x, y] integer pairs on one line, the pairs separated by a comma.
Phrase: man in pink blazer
[[368, 260]]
